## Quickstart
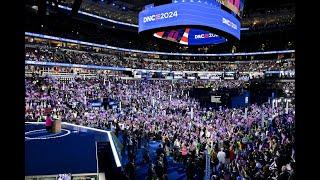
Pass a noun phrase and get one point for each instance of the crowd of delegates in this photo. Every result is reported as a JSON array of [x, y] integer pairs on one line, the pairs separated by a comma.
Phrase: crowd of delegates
[[272, 18], [42, 70], [252, 143], [48, 54], [253, 44], [250, 41], [288, 88]]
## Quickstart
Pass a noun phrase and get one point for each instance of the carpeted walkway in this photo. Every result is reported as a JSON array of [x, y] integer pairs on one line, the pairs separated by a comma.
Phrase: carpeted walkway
[[175, 170]]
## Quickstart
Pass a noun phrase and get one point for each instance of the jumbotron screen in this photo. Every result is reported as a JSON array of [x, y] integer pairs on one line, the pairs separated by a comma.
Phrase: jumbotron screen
[[195, 37], [234, 5], [193, 22]]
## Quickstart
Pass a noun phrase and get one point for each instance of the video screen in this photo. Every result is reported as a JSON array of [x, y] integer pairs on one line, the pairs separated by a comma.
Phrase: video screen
[[188, 36], [172, 35], [235, 6]]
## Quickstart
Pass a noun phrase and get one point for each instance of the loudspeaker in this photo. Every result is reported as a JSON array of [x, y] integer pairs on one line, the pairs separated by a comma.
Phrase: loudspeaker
[[161, 2], [109, 1], [42, 7], [75, 7]]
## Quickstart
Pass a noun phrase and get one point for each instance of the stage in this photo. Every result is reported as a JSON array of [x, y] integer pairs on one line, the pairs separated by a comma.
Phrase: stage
[[73, 150]]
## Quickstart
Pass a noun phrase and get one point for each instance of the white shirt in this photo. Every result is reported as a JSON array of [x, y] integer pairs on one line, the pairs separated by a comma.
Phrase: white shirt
[[177, 143], [221, 157], [201, 133], [207, 133]]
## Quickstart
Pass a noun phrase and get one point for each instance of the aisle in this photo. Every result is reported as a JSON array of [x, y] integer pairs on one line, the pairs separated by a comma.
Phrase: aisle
[[175, 170]]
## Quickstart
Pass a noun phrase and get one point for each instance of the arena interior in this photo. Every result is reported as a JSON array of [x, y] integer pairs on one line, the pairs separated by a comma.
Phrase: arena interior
[[107, 99]]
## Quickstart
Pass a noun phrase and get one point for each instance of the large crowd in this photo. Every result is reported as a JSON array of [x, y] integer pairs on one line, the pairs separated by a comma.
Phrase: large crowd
[[252, 143], [50, 54], [269, 18]]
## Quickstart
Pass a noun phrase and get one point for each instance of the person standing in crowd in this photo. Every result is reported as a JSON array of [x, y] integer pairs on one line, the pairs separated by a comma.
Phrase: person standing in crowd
[[151, 172], [221, 156], [184, 153], [130, 170], [214, 160], [159, 168], [191, 169], [49, 123]]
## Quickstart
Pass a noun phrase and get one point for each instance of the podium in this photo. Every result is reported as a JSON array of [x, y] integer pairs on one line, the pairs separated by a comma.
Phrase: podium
[[56, 128]]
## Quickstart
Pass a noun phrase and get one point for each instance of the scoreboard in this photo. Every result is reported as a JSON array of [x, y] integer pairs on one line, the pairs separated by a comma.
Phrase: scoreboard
[[193, 22]]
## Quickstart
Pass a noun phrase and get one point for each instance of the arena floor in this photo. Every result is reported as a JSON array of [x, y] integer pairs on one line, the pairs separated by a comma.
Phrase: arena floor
[[73, 151], [70, 151]]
